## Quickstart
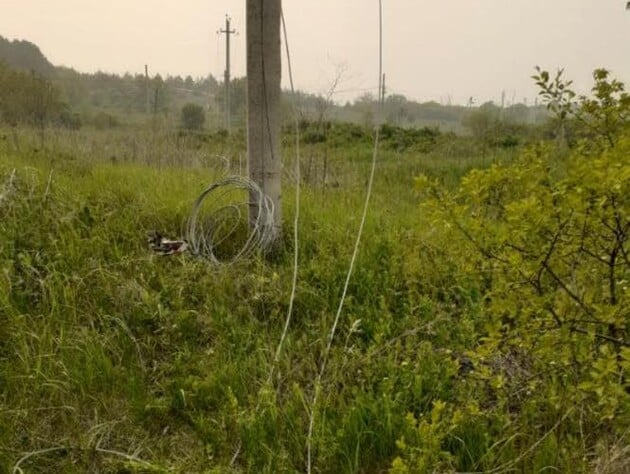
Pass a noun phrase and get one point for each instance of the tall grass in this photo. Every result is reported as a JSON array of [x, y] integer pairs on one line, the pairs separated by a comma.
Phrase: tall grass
[[113, 359]]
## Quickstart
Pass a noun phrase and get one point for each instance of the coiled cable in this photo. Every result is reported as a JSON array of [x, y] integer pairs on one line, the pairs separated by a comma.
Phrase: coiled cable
[[215, 227]]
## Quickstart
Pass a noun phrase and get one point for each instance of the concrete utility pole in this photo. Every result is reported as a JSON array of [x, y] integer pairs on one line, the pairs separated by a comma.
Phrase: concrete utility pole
[[383, 91], [228, 32], [146, 85], [264, 70]]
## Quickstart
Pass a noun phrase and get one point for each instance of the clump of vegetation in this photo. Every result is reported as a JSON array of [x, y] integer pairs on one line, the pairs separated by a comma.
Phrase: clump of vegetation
[[193, 117], [29, 99], [545, 241]]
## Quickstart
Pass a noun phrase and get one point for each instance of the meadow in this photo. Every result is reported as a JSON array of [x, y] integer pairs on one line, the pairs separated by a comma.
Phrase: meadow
[[462, 345]]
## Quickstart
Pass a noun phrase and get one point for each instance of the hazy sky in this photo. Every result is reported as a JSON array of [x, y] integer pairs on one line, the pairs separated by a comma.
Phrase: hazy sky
[[434, 49]]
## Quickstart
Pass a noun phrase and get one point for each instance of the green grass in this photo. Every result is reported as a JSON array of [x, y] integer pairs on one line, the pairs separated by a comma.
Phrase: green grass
[[125, 361]]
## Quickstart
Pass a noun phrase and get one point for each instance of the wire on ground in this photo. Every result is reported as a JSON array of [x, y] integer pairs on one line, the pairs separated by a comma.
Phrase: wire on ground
[[207, 228]]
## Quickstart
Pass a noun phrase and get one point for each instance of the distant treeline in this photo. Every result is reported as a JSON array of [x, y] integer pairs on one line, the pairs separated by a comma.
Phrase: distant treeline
[[105, 100]]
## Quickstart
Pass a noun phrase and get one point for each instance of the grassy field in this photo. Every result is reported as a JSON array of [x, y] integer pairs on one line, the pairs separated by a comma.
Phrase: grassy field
[[114, 359]]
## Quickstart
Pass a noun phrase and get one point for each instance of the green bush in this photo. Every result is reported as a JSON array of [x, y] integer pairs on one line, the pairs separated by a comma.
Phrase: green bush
[[192, 117]]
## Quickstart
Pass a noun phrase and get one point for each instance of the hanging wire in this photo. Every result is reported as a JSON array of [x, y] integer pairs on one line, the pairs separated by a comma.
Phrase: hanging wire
[[296, 217], [331, 335], [296, 221]]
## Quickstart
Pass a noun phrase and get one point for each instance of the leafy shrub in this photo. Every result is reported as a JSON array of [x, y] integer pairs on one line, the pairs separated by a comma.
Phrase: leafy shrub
[[70, 120], [545, 240], [104, 120], [193, 117]]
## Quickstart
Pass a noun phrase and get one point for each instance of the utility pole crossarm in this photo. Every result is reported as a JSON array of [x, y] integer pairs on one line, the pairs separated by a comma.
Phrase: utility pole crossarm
[[227, 27], [147, 91]]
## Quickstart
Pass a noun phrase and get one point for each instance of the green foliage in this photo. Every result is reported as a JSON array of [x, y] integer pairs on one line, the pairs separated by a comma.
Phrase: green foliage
[[557, 245], [601, 118], [238, 102], [341, 135], [496, 127], [545, 241], [556, 92], [168, 358], [103, 120], [400, 139], [70, 120], [549, 251], [193, 117], [27, 99], [424, 446], [485, 331]]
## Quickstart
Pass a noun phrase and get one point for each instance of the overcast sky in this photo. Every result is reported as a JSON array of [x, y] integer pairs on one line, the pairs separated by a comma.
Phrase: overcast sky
[[434, 49]]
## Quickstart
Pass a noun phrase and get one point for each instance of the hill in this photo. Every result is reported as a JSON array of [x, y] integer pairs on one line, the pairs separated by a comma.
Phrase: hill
[[25, 56]]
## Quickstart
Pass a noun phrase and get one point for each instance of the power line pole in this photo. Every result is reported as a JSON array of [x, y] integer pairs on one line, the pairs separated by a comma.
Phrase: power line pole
[[146, 85], [383, 91], [264, 70], [228, 32]]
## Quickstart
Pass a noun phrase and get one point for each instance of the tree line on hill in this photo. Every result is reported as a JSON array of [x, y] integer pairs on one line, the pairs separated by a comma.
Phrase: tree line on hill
[[35, 92]]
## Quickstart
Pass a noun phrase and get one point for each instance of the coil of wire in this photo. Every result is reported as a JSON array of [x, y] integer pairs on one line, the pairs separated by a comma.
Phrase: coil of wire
[[220, 230]]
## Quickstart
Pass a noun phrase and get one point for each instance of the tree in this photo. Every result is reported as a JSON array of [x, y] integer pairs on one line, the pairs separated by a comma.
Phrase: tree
[[42, 104], [601, 118], [193, 117], [546, 249], [483, 122], [366, 103], [238, 100], [397, 109], [28, 99]]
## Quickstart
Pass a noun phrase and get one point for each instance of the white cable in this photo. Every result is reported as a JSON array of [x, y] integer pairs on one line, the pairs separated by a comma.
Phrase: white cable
[[202, 228], [331, 335], [296, 219]]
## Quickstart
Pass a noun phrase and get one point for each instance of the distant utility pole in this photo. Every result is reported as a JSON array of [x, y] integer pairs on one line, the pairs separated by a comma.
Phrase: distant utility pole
[[383, 91], [264, 70], [146, 86], [228, 32]]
